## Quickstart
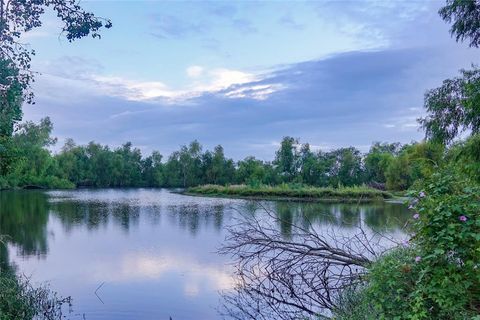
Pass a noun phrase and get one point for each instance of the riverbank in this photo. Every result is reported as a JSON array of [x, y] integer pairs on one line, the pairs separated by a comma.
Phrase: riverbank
[[287, 193]]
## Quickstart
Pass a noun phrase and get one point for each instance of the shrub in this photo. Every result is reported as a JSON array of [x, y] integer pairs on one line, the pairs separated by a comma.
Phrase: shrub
[[386, 290], [438, 275], [19, 300], [447, 234]]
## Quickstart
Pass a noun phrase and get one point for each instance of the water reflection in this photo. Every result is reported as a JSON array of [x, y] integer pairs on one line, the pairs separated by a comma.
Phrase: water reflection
[[382, 217], [23, 220], [154, 250]]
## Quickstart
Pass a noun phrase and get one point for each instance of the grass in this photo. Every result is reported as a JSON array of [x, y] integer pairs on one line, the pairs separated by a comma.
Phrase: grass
[[289, 192]]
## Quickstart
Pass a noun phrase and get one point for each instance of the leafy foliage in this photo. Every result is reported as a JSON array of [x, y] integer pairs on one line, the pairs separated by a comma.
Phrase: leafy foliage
[[20, 16], [26, 160], [19, 300], [464, 16], [447, 234], [10, 98], [454, 107], [385, 293]]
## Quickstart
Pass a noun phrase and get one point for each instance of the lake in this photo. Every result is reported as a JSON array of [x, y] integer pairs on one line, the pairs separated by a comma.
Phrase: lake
[[148, 253]]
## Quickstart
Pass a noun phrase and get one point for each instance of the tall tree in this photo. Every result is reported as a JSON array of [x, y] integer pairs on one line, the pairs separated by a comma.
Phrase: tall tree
[[286, 158], [378, 159]]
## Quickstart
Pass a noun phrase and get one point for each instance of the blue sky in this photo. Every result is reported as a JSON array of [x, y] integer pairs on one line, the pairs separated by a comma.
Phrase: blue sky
[[245, 74]]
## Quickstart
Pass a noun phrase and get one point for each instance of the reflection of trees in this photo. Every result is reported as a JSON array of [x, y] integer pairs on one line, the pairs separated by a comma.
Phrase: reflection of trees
[[285, 214], [377, 216], [23, 221], [95, 214], [386, 216], [192, 216]]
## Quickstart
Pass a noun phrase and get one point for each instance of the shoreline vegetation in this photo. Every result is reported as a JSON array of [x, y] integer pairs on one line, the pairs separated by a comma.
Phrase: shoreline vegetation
[[291, 193]]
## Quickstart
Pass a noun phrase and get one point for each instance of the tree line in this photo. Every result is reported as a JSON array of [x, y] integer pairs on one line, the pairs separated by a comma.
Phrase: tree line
[[27, 162]]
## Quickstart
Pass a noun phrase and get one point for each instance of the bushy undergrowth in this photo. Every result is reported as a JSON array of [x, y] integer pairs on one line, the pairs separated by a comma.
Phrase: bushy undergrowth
[[385, 290], [438, 275], [19, 300], [47, 182], [292, 191], [447, 235]]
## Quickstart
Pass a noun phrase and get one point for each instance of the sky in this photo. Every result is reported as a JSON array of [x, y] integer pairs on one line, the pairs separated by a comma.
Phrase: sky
[[244, 74]]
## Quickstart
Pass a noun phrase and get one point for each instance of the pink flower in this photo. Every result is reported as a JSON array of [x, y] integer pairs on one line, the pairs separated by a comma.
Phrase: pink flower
[[418, 259], [462, 218], [416, 216]]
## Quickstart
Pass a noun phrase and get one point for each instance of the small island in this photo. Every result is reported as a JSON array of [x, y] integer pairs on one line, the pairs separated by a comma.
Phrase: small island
[[287, 192]]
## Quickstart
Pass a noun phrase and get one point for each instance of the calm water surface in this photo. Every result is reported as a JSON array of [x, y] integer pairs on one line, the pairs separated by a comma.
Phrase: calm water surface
[[153, 251]]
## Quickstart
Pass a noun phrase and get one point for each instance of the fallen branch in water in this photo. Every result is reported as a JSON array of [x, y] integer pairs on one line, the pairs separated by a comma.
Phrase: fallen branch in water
[[295, 277]]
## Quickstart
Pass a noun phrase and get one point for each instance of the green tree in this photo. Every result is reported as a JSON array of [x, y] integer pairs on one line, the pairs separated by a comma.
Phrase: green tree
[[251, 171], [346, 167], [35, 165], [378, 160], [453, 108], [464, 16], [20, 16], [465, 156], [10, 98], [286, 158], [153, 170]]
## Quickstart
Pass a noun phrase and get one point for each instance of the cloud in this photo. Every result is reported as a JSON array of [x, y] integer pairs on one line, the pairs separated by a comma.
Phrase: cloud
[[86, 76], [71, 67], [172, 27], [254, 91], [349, 99], [379, 21], [289, 21], [142, 266], [244, 25], [221, 9], [194, 71]]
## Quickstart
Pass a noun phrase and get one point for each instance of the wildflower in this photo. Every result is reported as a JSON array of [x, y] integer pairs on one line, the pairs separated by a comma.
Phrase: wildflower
[[410, 207], [462, 218], [405, 243], [422, 194], [418, 259], [416, 216]]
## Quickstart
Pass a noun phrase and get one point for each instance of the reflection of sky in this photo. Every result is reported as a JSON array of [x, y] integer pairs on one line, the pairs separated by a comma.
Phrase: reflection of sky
[[155, 251], [144, 266], [156, 266]]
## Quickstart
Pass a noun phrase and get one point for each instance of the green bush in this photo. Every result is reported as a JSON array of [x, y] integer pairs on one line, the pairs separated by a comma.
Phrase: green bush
[[386, 290], [438, 275], [19, 300], [447, 234]]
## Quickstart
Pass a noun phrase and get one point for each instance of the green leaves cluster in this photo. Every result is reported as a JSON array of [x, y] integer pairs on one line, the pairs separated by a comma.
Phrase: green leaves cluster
[[447, 236], [19, 300], [386, 292], [20, 16], [453, 108], [464, 16]]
